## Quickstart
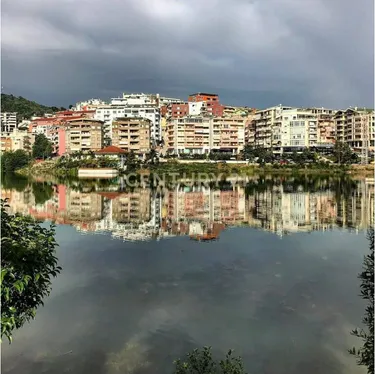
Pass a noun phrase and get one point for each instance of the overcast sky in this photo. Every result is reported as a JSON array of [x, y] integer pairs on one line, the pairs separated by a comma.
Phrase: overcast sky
[[257, 53]]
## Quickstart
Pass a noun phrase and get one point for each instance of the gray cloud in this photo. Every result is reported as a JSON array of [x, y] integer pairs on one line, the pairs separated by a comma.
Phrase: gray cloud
[[255, 53]]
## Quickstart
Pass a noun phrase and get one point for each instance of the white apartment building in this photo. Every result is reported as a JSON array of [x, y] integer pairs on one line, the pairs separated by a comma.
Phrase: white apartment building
[[169, 100], [136, 99], [88, 104], [8, 122], [264, 123], [284, 128], [110, 113], [196, 108], [298, 130], [132, 105]]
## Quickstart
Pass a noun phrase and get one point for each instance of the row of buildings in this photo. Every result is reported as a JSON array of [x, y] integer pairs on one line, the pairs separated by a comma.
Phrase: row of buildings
[[140, 122], [198, 211]]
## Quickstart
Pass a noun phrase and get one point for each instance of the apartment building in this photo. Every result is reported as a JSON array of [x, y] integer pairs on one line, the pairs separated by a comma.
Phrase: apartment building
[[132, 134], [8, 122], [175, 110], [210, 104], [326, 129], [200, 135], [86, 105], [286, 129], [356, 127], [189, 135], [266, 125], [83, 134], [322, 111], [227, 134], [131, 107], [17, 140], [6, 144], [298, 130], [229, 111]]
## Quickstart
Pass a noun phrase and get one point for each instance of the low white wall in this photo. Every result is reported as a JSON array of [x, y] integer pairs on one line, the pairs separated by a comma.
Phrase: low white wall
[[97, 172]]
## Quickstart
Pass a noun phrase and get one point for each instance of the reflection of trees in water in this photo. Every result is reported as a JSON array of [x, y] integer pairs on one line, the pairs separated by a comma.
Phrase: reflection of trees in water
[[16, 182], [365, 354], [42, 192], [343, 185]]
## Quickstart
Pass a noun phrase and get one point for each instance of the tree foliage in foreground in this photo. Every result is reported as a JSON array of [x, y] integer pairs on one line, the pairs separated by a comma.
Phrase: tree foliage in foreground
[[202, 362], [365, 354], [28, 262]]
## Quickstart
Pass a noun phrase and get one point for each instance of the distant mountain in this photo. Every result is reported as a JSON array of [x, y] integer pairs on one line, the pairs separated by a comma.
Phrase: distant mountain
[[25, 108]]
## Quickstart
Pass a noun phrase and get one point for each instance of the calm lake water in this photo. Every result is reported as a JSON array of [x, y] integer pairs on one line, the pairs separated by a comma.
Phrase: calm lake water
[[268, 267]]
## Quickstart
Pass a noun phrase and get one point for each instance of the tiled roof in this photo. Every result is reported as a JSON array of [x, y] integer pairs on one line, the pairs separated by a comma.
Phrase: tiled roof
[[111, 150]]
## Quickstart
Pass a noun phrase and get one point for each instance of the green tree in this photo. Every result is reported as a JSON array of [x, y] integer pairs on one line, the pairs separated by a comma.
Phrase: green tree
[[202, 362], [365, 354], [343, 154], [28, 262], [12, 161], [25, 108], [248, 152], [131, 162], [42, 147]]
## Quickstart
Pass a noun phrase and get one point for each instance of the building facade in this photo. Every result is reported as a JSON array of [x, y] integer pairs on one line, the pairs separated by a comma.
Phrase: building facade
[[201, 135], [132, 134], [8, 122], [83, 135], [356, 128]]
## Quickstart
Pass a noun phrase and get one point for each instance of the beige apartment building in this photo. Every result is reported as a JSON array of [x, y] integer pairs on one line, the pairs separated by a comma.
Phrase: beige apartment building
[[83, 135], [132, 134], [17, 140], [190, 135], [228, 134], [200, 135], [326, 129], [356, 128]]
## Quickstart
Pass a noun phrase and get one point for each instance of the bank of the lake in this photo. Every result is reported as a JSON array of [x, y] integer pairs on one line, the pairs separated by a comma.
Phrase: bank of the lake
[[51, 167]]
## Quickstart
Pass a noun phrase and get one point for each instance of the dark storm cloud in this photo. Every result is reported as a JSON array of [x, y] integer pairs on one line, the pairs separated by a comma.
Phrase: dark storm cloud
[[255, 53]]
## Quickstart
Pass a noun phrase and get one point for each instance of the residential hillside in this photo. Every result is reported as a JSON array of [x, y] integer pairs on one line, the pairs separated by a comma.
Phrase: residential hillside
[[25, 108]]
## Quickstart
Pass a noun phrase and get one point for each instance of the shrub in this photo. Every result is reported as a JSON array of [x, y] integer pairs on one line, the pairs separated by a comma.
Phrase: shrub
[[28, 262], [202, 362]]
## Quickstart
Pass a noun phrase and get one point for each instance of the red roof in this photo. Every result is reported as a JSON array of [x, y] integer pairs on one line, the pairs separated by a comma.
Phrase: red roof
[[111, 150], [109, 195]]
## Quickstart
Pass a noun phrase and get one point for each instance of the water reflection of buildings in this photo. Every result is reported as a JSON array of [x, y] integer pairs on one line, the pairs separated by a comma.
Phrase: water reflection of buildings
[[285, 212], [200, 212]]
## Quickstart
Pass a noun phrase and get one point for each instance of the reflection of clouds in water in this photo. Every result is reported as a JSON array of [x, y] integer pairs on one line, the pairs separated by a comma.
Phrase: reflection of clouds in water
[[161, 305]]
